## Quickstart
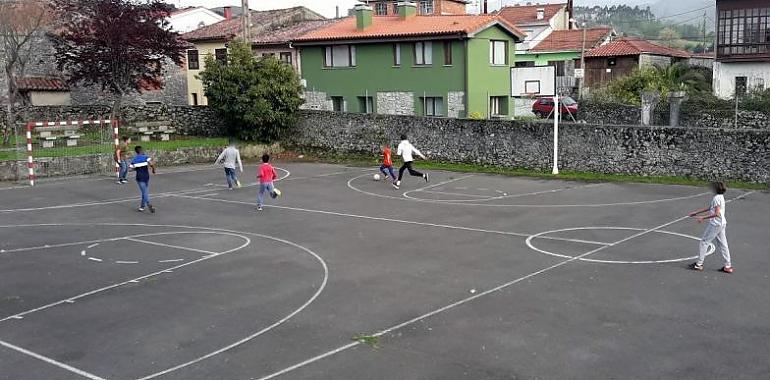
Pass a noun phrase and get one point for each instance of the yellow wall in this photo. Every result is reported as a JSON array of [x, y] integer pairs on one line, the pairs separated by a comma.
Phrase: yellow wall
[[50, 98], [194, 84]]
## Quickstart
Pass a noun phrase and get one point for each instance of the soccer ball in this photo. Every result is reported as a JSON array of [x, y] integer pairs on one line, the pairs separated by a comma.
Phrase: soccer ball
[[377, 177], [275, 194]]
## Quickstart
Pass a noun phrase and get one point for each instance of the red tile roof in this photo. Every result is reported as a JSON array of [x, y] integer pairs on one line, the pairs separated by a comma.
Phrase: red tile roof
[[415, 26], [290, 33], [527, 14], [634, 46], [227, 29], [31, 83], [572, 40]]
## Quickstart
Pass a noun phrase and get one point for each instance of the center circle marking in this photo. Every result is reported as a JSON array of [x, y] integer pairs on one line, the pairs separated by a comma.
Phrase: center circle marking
[[530, 239]]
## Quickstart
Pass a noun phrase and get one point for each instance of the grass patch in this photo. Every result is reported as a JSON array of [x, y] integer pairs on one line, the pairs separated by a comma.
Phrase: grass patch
[[9, 153], [372, 341], [363, 161]]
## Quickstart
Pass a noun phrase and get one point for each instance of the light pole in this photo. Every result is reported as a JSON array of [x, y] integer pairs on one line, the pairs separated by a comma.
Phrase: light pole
[[582, 62], [245, 20]]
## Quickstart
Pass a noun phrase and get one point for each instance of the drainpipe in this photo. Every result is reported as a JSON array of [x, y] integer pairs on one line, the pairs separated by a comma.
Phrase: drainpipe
[[465, 74]]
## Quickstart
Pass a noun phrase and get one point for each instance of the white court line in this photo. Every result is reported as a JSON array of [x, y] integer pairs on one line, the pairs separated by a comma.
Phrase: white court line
[[442, 183], [109, 287], [381, 219], [170, 261], [510, 196], [92, 259], [126, 262], [356, 189], [307, 303], [159, 195], [473, 297], [50, 361], [459, 194], [171, 246], [104, 202]]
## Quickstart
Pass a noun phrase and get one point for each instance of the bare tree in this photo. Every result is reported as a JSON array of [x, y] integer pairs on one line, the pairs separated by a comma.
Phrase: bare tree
[[20, 22]]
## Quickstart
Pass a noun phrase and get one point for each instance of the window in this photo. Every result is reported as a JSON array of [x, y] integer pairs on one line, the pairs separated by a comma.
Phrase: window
[[340, 56], [612, 62], [433, 106], [192, 60], [194, 99], [381, 9], [395, 7], [743, 31], [559, 65], [338, 104], [221, 55], [426, 7], [448, 53], [286, 57], [396, 54], [740, 86], [423, 53], [498, 51], [498, 105], [525, 64], [366, 104], [265, 55]]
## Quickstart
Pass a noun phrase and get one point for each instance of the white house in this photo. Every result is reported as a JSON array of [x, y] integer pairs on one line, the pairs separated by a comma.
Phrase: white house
[[188, 19], [743, 47], [537, 21]]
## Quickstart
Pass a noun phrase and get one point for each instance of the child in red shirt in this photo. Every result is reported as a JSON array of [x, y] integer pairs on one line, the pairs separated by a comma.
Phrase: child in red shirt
[[266, 175], [387, 164]]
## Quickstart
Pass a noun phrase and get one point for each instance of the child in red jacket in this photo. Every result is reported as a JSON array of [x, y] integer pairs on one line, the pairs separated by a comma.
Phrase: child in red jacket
[[266, 175], [387, 164]]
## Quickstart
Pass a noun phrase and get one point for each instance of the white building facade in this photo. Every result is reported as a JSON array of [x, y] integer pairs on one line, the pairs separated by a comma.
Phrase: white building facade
[[742, 47], [188, 19]]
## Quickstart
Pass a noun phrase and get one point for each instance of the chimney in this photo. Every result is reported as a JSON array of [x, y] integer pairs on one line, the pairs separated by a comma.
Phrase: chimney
[[485, 8], [540, 13], [406, 9], [363, 16], [228, 12]]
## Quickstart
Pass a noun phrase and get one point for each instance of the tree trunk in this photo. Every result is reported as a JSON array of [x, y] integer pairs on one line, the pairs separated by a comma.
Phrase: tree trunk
[[115, 114], [9, 121]]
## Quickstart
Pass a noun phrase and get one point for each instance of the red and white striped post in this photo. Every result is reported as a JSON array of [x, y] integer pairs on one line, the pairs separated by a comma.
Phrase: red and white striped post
[[116, 138], [30, 160]]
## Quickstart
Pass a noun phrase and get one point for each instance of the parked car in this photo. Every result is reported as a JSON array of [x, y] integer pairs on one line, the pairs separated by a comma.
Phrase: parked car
[[544, 106]]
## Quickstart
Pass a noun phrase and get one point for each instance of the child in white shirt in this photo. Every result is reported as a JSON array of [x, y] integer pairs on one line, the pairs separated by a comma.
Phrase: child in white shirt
[[407, 151], [715, 229]]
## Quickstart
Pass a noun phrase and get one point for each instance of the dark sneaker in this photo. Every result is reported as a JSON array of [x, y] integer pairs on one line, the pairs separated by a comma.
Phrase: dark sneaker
[[259, 208], [152, 209], [727, 269], [395, 185], [425, 176], [696, 266]]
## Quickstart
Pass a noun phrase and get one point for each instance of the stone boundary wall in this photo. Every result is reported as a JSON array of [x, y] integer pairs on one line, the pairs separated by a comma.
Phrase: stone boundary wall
[[189, 120], [706, 153]]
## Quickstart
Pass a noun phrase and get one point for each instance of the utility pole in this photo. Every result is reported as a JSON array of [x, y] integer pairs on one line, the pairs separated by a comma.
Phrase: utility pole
[[245, 21], [582, 62], [704, 32]]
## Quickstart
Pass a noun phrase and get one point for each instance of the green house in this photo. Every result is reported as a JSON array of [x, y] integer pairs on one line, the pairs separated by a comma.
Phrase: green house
[[408, 64]]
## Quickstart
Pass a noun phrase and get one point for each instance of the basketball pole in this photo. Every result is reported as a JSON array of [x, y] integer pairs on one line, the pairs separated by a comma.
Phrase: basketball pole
[[556, 134]]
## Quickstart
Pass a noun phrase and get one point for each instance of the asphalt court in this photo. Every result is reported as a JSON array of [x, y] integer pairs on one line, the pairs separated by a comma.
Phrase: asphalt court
[[468, 276]]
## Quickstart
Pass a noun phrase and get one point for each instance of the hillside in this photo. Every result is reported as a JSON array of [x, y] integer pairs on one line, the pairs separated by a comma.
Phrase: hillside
[[643, 22]]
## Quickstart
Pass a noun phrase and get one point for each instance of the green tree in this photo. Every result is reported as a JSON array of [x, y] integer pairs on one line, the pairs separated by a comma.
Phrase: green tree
[[693, 80], [259, 98]]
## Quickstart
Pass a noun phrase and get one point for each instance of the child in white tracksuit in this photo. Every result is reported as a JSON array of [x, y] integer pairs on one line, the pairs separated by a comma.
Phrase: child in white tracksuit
[[715, 229], [407, 151]]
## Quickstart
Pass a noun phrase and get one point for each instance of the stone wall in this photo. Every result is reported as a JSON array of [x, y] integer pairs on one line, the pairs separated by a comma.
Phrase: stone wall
[[104, 164], [698, 152], [395, 103], [188, 120]]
